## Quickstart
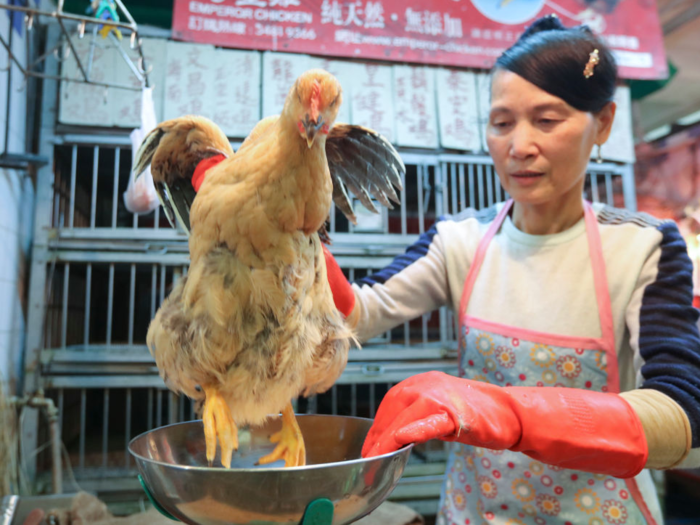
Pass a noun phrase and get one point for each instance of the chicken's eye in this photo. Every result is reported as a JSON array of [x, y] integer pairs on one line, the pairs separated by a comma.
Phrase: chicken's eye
[[335, 100]]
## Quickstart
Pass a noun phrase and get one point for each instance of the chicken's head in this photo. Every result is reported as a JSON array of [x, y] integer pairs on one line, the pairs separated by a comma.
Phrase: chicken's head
[[313, 103]]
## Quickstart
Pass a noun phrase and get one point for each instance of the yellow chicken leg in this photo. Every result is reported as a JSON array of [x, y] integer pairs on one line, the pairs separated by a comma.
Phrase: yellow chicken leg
[[218, 423], [290, 442]]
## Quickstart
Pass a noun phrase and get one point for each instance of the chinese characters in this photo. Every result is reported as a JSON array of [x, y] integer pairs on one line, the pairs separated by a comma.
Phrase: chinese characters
[[433, 23], [368, 15], [267, 3]]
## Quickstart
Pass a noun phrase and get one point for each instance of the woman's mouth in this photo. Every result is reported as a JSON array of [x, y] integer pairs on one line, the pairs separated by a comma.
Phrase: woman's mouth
[[526, 176]]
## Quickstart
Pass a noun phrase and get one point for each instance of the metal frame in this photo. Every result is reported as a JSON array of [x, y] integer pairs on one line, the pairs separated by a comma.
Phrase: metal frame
[[82, 24], [44, 66]]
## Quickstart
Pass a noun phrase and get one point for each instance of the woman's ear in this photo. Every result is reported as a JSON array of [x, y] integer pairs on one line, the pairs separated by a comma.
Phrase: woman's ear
[[604, 121]]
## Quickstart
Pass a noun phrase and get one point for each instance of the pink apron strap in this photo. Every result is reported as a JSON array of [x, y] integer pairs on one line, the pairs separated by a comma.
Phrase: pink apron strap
[[600, 281], [602, 292], [479, 257]]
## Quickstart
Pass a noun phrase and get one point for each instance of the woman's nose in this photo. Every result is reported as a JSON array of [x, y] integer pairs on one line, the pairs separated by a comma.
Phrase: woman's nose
[[522, 145]]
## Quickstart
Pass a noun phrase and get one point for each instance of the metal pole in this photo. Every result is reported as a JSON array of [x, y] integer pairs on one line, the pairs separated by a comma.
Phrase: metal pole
[[628, 187], [8, 106], [31, 381]]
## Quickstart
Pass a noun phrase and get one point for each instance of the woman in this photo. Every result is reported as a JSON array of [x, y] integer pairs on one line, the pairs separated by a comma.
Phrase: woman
[[552, 292]]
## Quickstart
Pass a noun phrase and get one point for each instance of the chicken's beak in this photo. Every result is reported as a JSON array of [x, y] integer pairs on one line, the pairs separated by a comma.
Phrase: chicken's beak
[[310, 136], [311, 127]]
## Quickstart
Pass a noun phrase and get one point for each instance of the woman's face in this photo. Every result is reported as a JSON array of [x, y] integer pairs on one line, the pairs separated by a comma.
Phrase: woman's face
[[540, 145]]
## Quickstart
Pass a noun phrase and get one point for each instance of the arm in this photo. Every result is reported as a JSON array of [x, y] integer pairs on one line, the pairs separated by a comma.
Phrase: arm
[[666, 344], [413, 284], [654, 426]]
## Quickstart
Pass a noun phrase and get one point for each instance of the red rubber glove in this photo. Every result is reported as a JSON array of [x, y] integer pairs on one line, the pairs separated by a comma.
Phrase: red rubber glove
[[566, 427], [343, 296]]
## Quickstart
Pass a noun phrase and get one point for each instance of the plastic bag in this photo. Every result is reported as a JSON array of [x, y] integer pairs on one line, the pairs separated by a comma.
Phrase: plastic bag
[[140, 195]]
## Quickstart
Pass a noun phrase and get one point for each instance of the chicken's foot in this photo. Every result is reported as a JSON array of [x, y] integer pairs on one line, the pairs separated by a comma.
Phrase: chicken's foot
[[218, 423], [290, 442]]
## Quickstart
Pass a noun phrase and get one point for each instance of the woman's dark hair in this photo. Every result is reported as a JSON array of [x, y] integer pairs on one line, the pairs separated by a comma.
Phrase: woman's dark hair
[[553, 58]]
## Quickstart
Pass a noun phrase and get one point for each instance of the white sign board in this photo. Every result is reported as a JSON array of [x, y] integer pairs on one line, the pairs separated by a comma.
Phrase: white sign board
[[234, 101], [416, 115], [372, 102], [126, 105], [620, 144], [280, 70], [85, 104], [188, 74], [458, 109], [483, 93]]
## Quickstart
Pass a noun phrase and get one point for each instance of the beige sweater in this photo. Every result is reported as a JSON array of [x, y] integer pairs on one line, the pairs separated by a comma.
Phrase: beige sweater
[[545, 283]]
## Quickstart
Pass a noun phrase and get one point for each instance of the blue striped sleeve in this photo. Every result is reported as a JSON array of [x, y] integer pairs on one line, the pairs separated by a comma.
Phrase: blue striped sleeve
[[669, 342], [412, 254]]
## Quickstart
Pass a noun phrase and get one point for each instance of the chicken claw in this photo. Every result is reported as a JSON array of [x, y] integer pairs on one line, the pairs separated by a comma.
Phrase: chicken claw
[[290, 442], [218, 423]]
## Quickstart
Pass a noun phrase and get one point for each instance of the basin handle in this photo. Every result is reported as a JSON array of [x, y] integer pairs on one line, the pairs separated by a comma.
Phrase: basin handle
[[318, 512], [154, 502]]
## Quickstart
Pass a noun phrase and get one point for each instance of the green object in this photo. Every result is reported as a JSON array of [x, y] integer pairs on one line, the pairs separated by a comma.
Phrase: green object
[[154, 502], [107, 5], [318, 512], [157, 13], [643, 88]]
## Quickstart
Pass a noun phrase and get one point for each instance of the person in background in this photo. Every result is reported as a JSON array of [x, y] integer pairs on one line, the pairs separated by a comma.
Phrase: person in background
[[579, 364]]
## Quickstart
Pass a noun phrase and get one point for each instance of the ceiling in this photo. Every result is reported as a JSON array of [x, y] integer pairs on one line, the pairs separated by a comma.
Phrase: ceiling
[[681, 24]]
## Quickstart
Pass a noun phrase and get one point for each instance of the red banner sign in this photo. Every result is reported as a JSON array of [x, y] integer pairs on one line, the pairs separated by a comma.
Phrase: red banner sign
[[463, 33]]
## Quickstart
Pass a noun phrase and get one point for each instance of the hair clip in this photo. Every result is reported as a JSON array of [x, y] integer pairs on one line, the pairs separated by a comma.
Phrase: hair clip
[[593, 60]]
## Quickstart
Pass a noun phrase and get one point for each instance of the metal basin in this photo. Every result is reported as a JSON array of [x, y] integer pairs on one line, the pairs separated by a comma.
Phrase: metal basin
[[173, 464]]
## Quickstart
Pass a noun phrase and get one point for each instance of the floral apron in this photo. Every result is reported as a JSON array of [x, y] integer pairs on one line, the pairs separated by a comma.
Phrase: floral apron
[[496, 487]]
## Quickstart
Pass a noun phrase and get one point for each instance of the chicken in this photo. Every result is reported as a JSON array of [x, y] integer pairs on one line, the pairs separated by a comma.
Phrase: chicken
[[253, 323]]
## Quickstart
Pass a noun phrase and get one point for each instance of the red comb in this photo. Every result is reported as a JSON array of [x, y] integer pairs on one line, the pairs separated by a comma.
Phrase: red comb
[[315, 99]]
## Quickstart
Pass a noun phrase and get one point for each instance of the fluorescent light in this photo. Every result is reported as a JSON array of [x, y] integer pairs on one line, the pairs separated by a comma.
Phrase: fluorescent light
[[692, 118], [657, 133]]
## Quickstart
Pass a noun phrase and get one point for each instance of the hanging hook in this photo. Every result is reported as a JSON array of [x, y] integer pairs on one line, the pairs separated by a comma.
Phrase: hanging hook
[[66, 53], [132, 41], [81, 30], [141, 69], [24, 84], [29, 19]]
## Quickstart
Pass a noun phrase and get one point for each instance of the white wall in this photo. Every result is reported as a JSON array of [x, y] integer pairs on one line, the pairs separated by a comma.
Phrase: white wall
[[16, 212]]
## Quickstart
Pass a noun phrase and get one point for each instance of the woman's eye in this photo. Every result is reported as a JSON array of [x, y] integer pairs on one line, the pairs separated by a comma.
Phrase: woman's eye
[[548, 121], [501, 124]]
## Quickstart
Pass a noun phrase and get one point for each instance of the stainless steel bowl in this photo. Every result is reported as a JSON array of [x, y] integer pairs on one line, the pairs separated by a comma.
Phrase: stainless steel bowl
[[173, 464]]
